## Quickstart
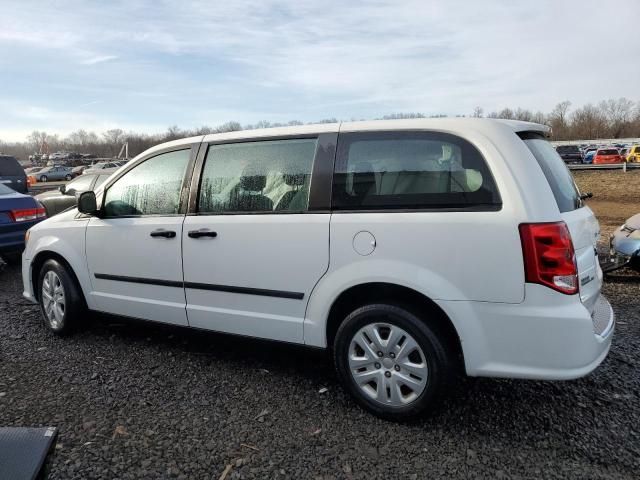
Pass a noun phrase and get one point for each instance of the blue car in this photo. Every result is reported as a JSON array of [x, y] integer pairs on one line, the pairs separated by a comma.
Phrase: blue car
[[18, 213], [588, 157]]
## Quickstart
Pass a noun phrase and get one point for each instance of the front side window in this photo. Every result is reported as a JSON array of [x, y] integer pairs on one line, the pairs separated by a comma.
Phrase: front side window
[[151, 188], [410, 170], [80, 184], [263, 176]]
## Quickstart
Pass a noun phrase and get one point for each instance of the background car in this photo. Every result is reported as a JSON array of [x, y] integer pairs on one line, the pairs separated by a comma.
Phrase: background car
[[570, 153], [32, 170], [56, 201], [625, 245], [12, 174], [18, 213], [588, 157], [98, 167], [623, 153], [54, 173], [634, 154], [79, 170], [607, 155]]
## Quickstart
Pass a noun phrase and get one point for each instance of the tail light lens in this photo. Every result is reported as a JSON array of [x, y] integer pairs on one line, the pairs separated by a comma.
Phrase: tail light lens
[[28, 214], [549, 258]]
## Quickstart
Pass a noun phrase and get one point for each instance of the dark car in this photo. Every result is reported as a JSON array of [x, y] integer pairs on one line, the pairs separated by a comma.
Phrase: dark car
[[12, 174], [57, 201], [18, 213], [570, 153]]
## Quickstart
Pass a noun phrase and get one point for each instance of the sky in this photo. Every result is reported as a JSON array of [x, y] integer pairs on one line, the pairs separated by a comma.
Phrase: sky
[[146, 65]]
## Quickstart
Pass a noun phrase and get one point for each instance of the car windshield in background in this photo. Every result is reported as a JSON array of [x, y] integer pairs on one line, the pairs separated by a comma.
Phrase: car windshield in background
[[9, 166], [608, 152], [568, 149], [4, 190], [558, 175]]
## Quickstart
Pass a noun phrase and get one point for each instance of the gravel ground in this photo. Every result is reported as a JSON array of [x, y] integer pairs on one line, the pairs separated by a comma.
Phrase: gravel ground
[[135, 400]]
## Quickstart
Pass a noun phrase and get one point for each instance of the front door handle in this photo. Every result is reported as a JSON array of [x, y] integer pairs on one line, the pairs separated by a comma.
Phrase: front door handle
[[202, 233], [163, 233]]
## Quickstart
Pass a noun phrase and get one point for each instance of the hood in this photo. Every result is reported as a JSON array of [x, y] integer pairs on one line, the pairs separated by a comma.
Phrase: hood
[[634, 222]]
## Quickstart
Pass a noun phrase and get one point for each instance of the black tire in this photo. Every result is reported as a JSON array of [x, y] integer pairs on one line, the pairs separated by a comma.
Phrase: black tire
[[68, 177], [74, 305], [43, 178], [438, 360], [13, 258]]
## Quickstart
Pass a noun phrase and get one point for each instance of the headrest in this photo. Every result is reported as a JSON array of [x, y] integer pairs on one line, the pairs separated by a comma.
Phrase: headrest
[[293, 180], [252, 180]]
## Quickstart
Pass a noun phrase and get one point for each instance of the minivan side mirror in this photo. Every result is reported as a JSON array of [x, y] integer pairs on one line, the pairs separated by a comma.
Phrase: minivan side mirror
[[87, 203]]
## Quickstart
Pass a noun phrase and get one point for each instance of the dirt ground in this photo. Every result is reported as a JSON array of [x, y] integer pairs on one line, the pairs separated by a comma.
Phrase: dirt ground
[[616, 195]]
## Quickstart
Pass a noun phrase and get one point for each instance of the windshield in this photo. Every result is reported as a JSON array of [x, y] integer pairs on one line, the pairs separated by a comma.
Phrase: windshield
[[555, 170]]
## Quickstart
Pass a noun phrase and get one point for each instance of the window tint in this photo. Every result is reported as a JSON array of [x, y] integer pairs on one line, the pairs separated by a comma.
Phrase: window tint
[[9, 166], [609, 151], [410, 170], [560, 180], [257, 176], [151, 188], [81, 183]]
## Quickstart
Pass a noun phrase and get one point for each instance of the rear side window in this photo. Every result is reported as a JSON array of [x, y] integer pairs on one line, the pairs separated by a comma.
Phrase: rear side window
[[555, 170], [609, 151], [265, 176], [10, 167], [411, 170]]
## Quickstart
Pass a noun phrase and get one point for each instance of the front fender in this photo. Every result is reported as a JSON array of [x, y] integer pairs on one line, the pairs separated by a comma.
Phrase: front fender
[[70, 246], [334, 282]]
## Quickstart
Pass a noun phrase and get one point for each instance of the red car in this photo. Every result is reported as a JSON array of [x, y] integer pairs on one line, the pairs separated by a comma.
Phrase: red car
[[607, 155]]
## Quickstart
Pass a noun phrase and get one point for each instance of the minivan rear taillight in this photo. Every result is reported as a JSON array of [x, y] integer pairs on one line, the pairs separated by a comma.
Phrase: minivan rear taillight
[[549, 258]]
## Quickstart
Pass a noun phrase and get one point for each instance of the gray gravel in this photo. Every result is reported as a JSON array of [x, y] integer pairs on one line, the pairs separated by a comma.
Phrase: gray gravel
[[135, 400]]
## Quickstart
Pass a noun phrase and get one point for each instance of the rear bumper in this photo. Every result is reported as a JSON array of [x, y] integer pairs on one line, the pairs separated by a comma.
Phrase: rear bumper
[[547, 337], [12, 236]]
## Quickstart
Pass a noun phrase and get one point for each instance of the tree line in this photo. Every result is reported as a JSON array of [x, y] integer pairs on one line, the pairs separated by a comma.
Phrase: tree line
[[613, 118]]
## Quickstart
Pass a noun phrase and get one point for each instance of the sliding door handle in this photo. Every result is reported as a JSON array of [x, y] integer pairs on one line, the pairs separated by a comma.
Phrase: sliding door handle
[[163, 233], [202, 233]]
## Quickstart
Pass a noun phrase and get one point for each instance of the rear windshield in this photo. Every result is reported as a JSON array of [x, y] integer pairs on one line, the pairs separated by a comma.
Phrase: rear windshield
[[558, 175], [9, 166], [610, 151], [4, 190]]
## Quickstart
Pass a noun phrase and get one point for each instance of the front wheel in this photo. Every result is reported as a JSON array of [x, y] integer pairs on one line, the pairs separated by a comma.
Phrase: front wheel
[[392, 362], [68, 177], [61, 301], [43, 178]]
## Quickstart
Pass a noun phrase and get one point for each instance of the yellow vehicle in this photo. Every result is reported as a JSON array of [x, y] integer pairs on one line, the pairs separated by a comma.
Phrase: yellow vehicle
[[634, 154]]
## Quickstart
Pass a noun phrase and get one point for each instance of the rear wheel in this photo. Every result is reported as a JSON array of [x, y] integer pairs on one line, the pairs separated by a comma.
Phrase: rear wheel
[[61, 301], [68, 177], [394, 364]]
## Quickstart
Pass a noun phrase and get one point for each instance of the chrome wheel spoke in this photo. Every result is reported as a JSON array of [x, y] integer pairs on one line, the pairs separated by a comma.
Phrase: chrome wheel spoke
[[407, 347], [373, 333], [363, 378]]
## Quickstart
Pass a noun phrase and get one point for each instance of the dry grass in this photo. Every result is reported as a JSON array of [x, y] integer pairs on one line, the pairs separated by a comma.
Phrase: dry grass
[[616, 195]]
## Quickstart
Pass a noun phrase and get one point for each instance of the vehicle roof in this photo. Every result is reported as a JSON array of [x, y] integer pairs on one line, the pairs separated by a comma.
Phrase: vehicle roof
[[453, 125]]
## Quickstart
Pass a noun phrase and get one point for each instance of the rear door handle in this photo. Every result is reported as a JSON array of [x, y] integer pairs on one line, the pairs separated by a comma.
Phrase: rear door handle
[[163, 233], [202, 233]]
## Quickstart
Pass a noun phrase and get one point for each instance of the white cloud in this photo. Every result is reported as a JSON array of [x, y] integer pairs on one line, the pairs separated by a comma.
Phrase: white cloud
[[306, 59], [99, 59]]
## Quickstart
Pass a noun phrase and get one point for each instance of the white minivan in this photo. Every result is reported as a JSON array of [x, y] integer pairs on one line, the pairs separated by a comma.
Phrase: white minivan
[[411, 249]]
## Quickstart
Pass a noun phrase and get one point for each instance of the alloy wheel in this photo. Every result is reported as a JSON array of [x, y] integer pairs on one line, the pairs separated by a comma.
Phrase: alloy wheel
[[53, 299]]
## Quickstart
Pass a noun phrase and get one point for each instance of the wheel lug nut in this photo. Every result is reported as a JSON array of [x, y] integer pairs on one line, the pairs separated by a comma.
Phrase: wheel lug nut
[[377, 365], [397, 367], [392, 355], [387, 374], [380, 354]]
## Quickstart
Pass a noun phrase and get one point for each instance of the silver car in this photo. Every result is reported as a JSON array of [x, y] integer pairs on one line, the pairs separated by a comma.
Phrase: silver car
[[624, 246], [54, 173]]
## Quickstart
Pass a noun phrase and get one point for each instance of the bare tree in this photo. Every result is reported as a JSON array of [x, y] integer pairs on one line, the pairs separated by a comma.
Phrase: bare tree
[[478, 112]]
